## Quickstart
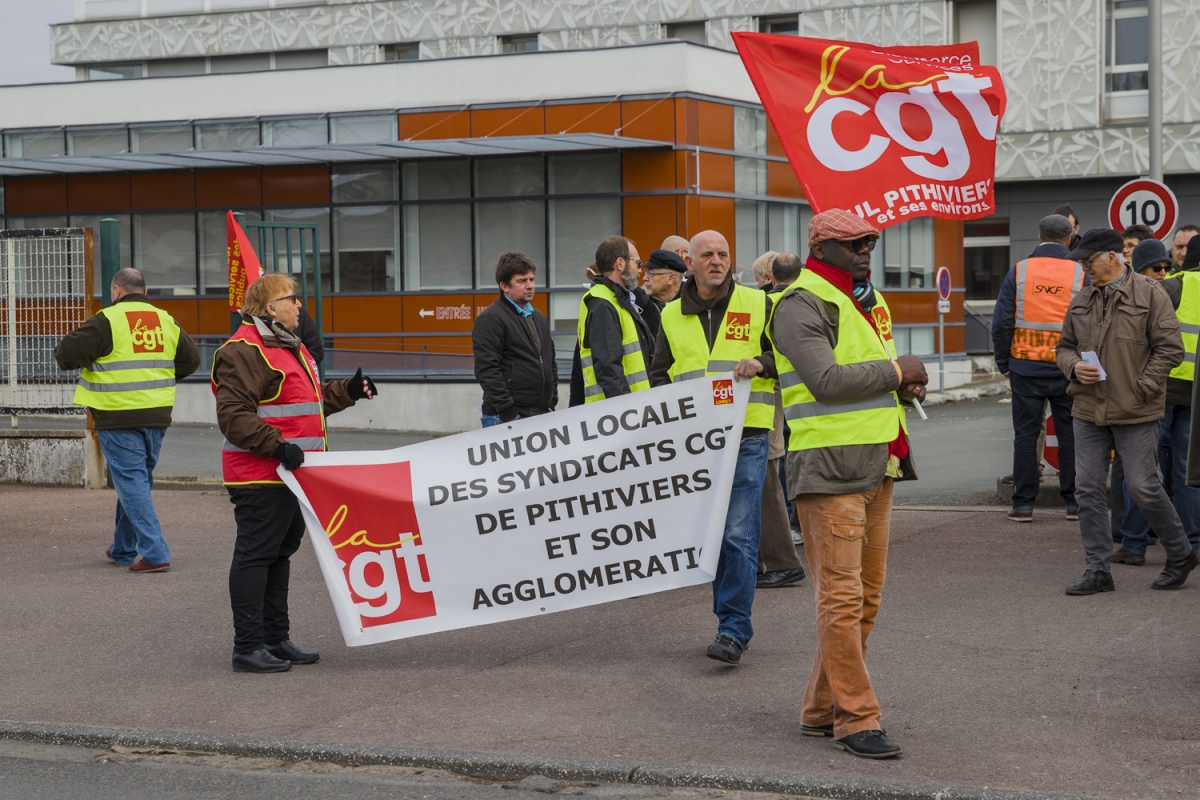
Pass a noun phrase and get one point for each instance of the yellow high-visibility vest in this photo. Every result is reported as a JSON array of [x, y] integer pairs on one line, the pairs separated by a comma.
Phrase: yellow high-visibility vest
[[740, 337], [140, 370], [874, 420], [1189, 322], [633, 361]]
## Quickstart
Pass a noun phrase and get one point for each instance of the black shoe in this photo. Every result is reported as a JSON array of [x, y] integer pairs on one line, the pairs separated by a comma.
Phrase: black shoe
[[781, 577], [816, 730], [726, 649], [1020, 516], [1007, 479], [868, 744], [1123, 556], [1072, 514], [259, 661], [1092, 582], [1175, 572], [288, 651]]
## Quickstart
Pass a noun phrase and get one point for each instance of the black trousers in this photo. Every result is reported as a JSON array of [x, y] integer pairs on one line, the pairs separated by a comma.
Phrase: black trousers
[[269, 529], [1028, 398]]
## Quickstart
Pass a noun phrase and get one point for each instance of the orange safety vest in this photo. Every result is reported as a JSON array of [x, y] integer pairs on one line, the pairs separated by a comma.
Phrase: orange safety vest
[[1045, 289], [295, 410]]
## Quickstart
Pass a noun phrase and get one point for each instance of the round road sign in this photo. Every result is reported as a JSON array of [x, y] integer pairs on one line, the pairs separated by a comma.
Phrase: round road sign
[[943, 283], [1144, 202]]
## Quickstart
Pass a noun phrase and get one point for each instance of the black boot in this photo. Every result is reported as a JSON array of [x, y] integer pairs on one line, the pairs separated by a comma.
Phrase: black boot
[[288, 651], [1175, 573], [1092, 582], [259, 661]]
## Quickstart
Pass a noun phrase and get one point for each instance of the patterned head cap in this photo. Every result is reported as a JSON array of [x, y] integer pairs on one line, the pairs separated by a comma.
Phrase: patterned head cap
[[837, 223]]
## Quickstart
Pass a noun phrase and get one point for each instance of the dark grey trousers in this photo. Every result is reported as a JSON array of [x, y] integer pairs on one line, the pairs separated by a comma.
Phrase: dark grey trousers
[[1137, 445]]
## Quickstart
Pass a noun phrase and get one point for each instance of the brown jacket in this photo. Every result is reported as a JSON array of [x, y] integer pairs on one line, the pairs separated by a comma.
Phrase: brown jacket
[[93, 340], [1136, 337], [243, 377], [805, 329]]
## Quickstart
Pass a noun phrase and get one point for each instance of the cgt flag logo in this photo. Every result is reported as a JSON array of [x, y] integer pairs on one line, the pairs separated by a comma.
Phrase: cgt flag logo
[[722, 392], [737, 326], [146, 332], [368, 515]]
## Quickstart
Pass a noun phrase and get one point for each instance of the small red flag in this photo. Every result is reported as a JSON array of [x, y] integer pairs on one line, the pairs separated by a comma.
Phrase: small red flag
[[890, 133], [244, 268]]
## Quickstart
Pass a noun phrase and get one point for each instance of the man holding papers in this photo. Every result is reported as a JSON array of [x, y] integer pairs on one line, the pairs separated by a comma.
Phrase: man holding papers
[[1119, 342]]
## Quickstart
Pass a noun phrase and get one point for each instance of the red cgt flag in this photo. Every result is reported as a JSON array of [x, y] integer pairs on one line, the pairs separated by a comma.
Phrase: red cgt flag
[[890, 133], [244, 268]]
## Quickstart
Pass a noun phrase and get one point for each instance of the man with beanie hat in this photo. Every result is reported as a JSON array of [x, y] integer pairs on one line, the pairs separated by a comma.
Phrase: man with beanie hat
[[842, 387], [1025, 328], [1176, 425], [664, 276], [1119, 342]]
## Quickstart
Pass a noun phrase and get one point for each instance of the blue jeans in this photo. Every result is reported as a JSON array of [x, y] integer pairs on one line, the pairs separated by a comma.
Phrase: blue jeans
[[737, 569], [131, 455], [1176, 426], [489, 420]]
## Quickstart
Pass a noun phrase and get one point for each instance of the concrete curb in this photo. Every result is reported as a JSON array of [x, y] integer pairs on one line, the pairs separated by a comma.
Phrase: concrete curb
[[491, 766]]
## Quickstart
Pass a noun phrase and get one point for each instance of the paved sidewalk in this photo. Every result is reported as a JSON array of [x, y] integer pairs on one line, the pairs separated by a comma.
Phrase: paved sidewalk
[[988, 674]]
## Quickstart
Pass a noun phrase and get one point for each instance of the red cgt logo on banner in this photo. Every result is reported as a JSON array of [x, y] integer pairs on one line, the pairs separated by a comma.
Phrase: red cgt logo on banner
[[890, 133]]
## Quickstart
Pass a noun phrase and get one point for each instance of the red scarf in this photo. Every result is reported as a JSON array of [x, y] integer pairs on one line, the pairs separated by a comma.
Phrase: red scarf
[[845, 284]]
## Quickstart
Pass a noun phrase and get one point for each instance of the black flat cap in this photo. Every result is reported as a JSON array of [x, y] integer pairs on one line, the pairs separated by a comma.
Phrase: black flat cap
[[665, 259], [1097, 240]]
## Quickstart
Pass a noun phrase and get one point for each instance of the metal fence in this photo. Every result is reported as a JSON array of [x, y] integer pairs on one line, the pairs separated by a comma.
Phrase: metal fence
[[45, 293]]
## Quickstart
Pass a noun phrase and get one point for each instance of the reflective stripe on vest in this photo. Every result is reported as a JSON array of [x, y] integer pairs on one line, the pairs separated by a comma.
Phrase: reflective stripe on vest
[[295, 411], [140, 370], [633, 362], [740, 337], [814, 424], [1189, 323], [1045, 289]]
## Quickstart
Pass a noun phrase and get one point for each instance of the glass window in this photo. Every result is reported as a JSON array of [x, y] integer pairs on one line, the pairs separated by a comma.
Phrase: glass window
[[905, 254], [295, 132], [508, 226], [111, 72], [164, 249], [365, 183], [227, 135], [124, 236], [175, 67], [694, 32], [214, 249], [589, 173], [749, 176], [364, 130], [366, 248], [166, 139], [309, 215], [576, 228], [437, 246], [246, 62], [509, 177], [36, 144], [1126, 51], [783, 228], [525, 43], [437, 180], [749, 130], [788, 24], [300, 59], [97, 142], [405, 51], [750, 221]]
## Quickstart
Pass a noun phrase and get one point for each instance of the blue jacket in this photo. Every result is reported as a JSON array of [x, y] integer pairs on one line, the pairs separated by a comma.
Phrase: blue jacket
[[1004, 317]]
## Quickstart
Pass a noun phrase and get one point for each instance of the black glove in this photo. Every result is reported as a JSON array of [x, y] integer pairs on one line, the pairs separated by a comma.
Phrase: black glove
[[356, 390], [290, 455]]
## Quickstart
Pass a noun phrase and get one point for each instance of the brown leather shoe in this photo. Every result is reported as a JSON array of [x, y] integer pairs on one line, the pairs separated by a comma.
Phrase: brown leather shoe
[[142, 566], [1020, 516], [1123, 556]]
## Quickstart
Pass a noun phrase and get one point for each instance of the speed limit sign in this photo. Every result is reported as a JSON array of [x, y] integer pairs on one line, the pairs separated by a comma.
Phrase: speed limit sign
[[1144, 202]]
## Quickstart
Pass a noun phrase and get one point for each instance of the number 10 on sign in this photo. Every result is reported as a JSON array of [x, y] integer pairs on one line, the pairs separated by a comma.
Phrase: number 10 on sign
[[1144, 202]]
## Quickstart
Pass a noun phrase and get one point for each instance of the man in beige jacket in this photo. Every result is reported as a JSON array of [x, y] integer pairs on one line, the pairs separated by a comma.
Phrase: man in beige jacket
[[1125, 322]]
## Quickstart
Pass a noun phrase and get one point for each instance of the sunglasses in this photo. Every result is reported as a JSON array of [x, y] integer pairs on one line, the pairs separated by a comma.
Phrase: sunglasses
[[291, 297], [1159, 267], [857, 245]]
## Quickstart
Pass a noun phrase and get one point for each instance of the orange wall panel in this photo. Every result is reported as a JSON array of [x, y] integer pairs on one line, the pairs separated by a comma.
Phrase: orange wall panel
[[774, 147], [687, 215], [955, 340], [687, 121], [436, 125], [716, 173], [647, 220], [584, 118], [158, 190], [212, 316], [368, 314], [530, 121], [716, 213], [98, 193], [686, 162], [948, 250], [648, 119], [35, 195], [293, 186], [439, 313], [644, 172], [782, 181], [186, 312], [899, 305], [228, 188], [715, 125]]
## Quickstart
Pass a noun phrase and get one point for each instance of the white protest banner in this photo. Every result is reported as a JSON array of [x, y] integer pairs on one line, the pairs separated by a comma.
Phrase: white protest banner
[[593, 504]]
